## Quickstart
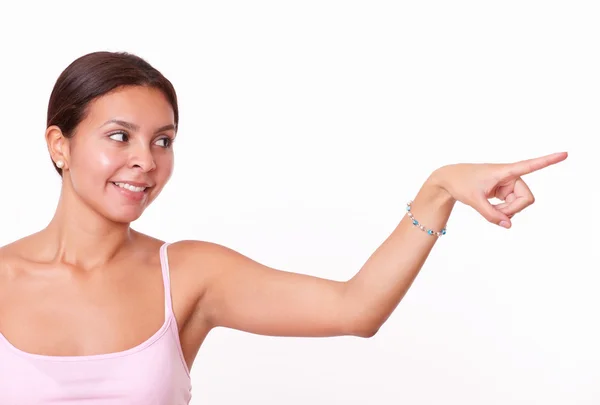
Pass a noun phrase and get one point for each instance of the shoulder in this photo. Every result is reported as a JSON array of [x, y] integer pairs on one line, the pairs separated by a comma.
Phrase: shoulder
[[203, 261], [15, 247], [5, 258], [194, 266], [18, 249], [16, 254], [200, 254]]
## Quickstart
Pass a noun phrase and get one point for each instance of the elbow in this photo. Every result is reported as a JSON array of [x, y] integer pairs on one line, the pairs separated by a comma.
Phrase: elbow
[[368, 333], [364, 329], [358, 319], [360, 323]]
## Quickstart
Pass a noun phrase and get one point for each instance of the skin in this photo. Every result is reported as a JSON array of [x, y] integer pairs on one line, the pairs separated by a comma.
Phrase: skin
[[91, 273]]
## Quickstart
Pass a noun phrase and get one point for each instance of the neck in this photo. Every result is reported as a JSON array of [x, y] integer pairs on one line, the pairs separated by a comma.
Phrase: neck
[[80, 236]]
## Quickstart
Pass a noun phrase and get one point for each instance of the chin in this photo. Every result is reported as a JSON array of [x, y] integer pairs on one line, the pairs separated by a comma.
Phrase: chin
[[116, 208], [125, 216], [125, 210]]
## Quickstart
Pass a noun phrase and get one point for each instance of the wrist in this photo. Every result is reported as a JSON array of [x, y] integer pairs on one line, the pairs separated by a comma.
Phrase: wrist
[[437, 188], [432, 206]]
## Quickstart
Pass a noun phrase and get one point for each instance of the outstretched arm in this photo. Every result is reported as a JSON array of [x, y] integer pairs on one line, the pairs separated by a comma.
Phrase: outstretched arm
[[237, 292], [243, 294]]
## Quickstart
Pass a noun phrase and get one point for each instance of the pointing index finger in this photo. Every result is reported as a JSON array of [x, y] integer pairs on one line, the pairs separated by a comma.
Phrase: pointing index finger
[[531, 165]]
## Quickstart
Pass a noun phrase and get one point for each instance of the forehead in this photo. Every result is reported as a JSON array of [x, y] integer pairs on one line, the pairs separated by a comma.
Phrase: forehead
[[144, 106]]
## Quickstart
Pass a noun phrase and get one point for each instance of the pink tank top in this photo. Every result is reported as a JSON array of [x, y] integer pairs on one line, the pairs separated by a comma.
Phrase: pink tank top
[[152, 373]]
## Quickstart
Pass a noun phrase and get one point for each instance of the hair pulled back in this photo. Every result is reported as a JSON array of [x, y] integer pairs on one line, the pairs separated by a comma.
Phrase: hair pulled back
[[94, 75]]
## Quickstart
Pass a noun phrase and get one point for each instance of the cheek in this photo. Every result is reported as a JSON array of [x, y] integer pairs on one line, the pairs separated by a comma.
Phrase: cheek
[[164, 165], [162, 174], [97, 163], [106, 160]]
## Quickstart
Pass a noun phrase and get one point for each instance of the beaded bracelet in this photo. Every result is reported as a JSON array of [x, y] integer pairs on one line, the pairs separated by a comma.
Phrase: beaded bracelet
[[421, 227]]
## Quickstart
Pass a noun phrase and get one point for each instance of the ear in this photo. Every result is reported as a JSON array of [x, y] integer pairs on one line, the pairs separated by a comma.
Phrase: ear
[[58, 146]]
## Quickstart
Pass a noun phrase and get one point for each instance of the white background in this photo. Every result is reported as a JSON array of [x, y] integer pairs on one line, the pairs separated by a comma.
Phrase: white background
[[305, 127]]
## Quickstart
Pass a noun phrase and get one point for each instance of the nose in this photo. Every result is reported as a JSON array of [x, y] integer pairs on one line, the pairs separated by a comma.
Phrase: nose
[[142, 158]]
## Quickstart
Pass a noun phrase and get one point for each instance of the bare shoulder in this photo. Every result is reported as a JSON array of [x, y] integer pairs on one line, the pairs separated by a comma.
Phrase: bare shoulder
[[5, 259], [17, 251], [202, 263], [194, 250], [198, 259], [205, 259], [16, 246], [16, 257]]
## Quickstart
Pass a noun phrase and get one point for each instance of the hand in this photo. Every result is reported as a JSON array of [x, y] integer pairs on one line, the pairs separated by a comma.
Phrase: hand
[[475, 184]]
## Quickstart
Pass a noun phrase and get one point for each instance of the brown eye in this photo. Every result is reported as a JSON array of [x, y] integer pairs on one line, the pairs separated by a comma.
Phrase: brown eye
[[166, 142], [119, 136]]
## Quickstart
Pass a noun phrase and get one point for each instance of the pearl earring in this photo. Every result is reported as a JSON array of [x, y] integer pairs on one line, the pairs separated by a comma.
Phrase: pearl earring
[[60, 164]]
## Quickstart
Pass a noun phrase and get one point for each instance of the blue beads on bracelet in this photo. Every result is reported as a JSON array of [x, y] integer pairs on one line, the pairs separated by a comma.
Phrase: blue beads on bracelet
[[421, 227]]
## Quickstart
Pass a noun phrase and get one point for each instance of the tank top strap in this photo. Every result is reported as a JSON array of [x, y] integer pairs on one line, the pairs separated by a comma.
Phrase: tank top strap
[[164, 265]]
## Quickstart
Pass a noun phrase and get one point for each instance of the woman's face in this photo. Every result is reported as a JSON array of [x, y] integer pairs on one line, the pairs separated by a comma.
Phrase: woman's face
[[120, 156]]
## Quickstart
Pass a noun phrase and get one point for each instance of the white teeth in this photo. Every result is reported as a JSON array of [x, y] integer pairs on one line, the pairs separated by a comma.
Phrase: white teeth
[[130, 187]]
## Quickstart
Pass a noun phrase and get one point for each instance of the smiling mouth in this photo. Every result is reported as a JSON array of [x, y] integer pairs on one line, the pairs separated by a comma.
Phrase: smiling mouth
[[130, 187]]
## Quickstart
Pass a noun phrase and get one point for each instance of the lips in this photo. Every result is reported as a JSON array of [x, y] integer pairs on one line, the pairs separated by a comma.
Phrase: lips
[[130, 191], [134, 187]]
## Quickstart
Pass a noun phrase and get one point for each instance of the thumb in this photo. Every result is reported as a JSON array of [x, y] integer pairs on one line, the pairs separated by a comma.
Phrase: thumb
[[489, 212]]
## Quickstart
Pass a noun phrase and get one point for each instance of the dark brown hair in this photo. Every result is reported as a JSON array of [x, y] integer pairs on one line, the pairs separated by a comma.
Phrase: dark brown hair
[[94, 75]]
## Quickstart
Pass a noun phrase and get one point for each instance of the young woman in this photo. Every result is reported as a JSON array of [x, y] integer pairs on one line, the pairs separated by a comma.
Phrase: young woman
[[92, 311]]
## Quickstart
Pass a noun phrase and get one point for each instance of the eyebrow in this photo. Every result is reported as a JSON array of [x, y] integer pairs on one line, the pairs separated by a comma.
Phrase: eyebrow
[[133, 127]]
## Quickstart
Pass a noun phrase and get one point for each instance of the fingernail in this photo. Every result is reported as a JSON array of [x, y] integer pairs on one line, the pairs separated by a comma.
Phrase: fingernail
[[505, 224]]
